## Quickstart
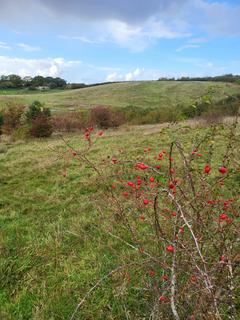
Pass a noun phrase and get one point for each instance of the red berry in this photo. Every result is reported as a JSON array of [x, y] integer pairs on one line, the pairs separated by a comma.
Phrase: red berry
[[146, 201], [151, 179], [207, 169], [223, 216], [165, 277], [130, 183], [222, 169], [181, 230], [100, 133], [170, 248], [152, 273], [163, 299], [222, 258], [171, 185], [141, 166]]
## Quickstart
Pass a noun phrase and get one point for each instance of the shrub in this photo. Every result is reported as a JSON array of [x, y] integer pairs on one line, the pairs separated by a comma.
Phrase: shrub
[[68, 122], [41, 127], [179, 221], [34, 110], [12, 118], [104, 117]]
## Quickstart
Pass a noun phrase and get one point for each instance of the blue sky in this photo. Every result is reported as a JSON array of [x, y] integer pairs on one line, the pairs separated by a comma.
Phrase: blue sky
[[108, 40]]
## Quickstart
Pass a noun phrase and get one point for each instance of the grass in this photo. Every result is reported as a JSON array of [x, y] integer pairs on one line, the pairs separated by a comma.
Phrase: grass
[[144, 94], [54, 246]]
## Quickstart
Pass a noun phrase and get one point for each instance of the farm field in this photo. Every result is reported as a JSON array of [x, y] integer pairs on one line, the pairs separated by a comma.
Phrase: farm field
[[144, 94], [55, 243]]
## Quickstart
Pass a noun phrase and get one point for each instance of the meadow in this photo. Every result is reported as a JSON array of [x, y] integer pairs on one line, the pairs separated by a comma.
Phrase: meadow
[[88, 219], [140, 94], [58, 240]]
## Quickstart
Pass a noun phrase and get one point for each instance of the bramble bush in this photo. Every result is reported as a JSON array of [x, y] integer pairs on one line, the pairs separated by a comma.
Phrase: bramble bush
[[177, 211], [12, 118], [68, 122], [105, 117]]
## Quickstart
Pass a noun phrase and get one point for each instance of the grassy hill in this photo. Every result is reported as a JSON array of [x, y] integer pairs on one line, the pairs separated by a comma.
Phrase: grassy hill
[[144, 94]]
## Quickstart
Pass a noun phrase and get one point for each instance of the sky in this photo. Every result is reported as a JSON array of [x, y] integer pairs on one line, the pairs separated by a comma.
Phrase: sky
[[119, 40]]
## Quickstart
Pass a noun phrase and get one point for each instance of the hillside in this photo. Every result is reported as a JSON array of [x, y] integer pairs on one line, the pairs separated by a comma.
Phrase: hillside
[[140, 94]]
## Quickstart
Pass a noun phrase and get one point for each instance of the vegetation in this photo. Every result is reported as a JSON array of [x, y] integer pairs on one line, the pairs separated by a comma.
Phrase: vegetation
[[161, 95], [13, 81], [34, 120], [63, 237], [223, 78], [139, 222]]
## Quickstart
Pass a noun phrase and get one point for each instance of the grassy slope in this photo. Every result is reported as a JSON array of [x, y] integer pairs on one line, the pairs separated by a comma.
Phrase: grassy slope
[[140, 94], [53, 246]]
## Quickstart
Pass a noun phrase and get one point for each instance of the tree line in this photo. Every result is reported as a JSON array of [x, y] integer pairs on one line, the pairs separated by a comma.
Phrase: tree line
[[14, 81], [222, 78]]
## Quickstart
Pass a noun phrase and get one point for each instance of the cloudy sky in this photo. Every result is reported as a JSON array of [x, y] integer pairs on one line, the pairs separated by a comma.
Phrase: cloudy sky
[[109, 40]]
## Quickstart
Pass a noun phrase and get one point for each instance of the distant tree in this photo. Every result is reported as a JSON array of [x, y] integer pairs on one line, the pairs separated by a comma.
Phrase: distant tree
[[15, 80], [37, 81]]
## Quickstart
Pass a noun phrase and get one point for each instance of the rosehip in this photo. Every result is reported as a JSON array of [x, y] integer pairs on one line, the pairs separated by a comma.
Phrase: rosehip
[[207, 169], [171, 185], [163, 299], [222, 169], [170, 248], [223, 216], [152, 273], [130, 183]]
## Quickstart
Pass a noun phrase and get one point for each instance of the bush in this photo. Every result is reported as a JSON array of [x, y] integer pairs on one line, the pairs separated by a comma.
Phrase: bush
[[104, 117], [179, 220], [41, 127], [68, 122], [34, 110], [12, 118]]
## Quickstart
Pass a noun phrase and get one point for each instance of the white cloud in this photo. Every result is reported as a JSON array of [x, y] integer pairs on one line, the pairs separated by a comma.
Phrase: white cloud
[[4, 45], [28, 48], [187, 46], [31, 67], [112, 77], [139, 37], [134, 75], [79, 38], [137, 74]]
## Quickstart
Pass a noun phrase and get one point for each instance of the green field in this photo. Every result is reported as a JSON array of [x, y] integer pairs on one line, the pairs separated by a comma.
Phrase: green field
[[154, 94], [54, 245]]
